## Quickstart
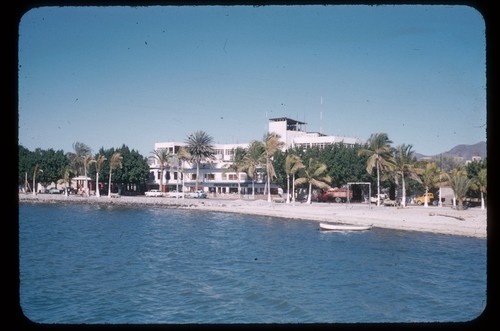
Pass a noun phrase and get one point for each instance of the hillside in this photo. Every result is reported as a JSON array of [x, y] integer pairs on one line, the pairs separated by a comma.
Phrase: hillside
[[466, 152]]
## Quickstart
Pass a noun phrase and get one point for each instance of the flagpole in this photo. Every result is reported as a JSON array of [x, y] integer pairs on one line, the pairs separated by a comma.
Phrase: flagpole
[[321, 115]]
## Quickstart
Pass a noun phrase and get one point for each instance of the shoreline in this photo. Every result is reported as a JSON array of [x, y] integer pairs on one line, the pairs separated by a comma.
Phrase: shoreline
[[441, 220]]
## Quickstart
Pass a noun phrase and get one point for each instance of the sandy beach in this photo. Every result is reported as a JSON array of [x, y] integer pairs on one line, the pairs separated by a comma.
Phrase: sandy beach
[[444, 220]]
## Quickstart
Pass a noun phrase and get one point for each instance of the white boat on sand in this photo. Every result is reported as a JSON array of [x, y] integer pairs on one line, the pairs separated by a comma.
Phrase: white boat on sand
[[343, 227]]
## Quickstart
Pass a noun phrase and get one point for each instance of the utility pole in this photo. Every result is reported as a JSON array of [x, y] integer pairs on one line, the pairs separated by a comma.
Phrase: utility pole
[[321, 116], [440, 203]]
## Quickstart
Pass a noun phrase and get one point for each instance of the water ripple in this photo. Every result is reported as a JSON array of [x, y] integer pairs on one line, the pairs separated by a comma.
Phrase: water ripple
[[80, 264]]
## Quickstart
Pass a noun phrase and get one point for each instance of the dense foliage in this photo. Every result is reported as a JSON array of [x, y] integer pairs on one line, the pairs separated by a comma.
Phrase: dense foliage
[[132, 176], [344, 164]]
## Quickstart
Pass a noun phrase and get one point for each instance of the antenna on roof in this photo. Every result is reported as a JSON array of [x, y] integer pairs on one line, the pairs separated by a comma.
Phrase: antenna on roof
[[321, 115]]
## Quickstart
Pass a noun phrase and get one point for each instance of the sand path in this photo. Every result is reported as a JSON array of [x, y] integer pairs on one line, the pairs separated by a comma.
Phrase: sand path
[[445, 220]]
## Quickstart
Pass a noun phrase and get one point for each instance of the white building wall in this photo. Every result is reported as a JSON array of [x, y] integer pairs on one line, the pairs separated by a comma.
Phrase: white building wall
[[321, 141], [214, 174], [209, 173], [279, 126]]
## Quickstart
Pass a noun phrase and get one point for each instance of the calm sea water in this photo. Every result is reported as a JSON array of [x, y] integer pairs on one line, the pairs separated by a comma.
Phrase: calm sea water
[[91, 264]]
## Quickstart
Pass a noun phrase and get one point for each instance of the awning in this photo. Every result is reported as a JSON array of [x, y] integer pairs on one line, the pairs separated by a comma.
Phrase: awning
[[224, 184], [81, 178], [216, 184]]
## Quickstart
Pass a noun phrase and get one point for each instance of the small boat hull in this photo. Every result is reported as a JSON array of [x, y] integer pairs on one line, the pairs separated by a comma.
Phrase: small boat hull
[[343, 227]]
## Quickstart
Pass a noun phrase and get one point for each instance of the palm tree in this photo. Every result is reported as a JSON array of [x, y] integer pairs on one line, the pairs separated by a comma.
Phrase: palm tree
[[405, 166], [66, 180], [114, 163], [315, 174], [460, 185], [457, 171], [201, 149], [293, 163], [161, 156], [77, 158], [182, 156], [431, 175], [87, 159], [237, 165], [253, 160], [35, 171], [272, 144], [443, 180], [481, 181], [98, 166], [378, 151]]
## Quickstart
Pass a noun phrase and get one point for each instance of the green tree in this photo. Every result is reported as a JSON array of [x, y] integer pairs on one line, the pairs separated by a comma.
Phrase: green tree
[[272, 144], [460, 184], [98, 161], [51, 162], [200, 147], [378, 151], [67, 175], [344, 165], [25, 158], [430, 177], [77, 157], [343, 162], [293, 164], [114, 163], [314, 174], [161, 156], [253, 160], [477, 172], [481, 181], [404, 165], [87, 160], [473, 172], [132, 175], [182, 156], [36, 170], [237, 165]]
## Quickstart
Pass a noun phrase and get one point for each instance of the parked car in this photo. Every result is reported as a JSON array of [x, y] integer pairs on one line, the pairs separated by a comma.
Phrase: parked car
[[336, 194], [174, 194], [376, 198], [54, 191], [393, 203], [71, 190], [153, 193], [197, 194], [431, 199]]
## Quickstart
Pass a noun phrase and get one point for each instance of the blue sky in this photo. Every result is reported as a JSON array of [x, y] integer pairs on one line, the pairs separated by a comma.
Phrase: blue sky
[[108, 76]]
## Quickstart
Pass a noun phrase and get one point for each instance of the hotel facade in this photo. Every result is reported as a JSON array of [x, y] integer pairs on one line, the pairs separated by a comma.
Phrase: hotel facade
[[217, 177]]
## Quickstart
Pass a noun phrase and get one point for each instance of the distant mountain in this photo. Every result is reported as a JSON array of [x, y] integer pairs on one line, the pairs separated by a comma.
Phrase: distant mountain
[[465, 152]]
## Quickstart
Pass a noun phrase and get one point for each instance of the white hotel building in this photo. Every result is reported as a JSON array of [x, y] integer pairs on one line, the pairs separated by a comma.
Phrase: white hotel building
[[216, 178]]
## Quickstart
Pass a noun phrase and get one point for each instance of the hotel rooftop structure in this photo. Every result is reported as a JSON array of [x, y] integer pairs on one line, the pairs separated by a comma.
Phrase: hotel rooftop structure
[[293, 134], [216, 177]]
